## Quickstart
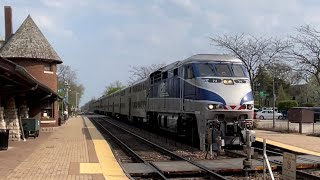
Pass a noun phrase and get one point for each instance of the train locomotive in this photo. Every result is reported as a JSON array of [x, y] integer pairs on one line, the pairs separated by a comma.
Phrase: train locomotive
[[207, 97]]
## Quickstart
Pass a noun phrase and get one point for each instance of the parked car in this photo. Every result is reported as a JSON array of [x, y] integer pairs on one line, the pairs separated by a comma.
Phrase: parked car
[[268, 114], [255, 110]]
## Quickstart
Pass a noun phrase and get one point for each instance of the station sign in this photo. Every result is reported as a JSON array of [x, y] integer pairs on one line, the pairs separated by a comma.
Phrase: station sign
[[289, 166]]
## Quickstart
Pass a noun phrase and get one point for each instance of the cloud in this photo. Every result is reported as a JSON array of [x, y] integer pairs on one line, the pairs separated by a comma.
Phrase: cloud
[[115, 8], [115, 34], [65, 4], [187, 5], [49, 24], [56, 3], [215, 19]]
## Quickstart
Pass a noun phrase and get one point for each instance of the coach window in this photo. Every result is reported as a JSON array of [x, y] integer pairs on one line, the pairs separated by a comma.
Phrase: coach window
[[175, 72], [165, 75], [189, 72]]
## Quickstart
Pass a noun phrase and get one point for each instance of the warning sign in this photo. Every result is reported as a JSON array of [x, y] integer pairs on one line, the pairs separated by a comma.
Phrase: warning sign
[[289, 166]]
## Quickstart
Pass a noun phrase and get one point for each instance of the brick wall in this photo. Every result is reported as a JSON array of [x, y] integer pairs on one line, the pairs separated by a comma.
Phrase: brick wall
[[36, 69]]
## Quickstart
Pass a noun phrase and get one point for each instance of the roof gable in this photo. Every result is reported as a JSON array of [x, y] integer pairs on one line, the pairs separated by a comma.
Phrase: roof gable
[[29, 42]]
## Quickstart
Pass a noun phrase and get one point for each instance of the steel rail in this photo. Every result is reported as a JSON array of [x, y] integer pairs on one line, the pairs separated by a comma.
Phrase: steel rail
[[130, 151], [212, 174], [300, 158], [300, 173]]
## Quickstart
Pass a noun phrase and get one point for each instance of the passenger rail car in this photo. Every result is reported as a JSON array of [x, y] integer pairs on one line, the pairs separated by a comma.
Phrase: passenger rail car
[[206, 92]]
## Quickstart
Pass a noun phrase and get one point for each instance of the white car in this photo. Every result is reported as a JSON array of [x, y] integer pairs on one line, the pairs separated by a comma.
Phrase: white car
[[268, 114]]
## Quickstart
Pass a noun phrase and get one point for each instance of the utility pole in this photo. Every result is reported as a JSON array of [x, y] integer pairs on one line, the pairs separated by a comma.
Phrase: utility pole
[[274, 98]]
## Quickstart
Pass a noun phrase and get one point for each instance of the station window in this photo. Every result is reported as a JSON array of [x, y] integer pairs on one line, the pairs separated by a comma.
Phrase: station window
[[47, 67]]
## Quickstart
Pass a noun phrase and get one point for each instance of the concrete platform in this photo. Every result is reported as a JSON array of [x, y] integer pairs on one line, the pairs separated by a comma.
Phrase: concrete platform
[[75, 150], [294, 142]]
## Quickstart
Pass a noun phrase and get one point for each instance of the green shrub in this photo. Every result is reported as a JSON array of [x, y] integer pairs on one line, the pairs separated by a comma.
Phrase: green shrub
[[308, 105], [287, 104]]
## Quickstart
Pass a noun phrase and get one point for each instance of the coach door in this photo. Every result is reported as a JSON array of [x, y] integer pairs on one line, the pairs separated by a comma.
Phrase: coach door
[[112, 108], [129, 113]]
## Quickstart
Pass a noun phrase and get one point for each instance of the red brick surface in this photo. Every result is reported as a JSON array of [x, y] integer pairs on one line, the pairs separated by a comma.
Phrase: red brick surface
[[54, 155]]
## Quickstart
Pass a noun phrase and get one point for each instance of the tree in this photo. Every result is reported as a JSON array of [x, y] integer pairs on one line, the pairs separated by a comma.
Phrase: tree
[[281, 94], [252, 51], [312, 92], [141, 72], [305, 52], [86, 106], [67, 80], [113, 87]]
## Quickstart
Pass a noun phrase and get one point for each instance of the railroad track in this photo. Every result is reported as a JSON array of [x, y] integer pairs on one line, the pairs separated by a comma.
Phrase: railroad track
[[128, 142], [300, 174]]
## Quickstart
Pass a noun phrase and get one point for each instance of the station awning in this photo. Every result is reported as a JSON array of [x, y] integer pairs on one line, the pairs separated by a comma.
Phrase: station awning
[[15, 80]]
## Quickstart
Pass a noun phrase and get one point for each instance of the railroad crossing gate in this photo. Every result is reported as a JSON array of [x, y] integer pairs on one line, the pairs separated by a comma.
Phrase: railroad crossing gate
[[289, 166]]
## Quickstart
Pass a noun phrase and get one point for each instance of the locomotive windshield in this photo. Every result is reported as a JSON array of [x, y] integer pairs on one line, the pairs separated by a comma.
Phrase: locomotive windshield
[[220, 70], [238, 70], [205, 70]]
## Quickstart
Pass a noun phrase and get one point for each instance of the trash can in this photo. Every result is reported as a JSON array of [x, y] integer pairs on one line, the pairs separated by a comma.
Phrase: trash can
[[31, 127], [4, 139]]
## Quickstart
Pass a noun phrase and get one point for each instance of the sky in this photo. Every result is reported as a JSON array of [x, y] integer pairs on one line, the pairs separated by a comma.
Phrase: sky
[[102, 39]]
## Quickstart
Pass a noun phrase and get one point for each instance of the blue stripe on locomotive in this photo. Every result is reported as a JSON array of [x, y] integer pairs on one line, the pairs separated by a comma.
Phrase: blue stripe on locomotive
[[192, 92], [196, 93], [249, 96]]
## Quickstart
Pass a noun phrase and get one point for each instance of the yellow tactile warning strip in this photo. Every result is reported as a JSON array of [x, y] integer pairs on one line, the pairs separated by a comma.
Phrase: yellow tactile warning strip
[[289, 147], [107, 165]]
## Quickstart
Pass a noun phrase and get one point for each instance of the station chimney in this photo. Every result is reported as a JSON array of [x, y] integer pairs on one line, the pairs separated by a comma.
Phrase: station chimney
[[8, 22]]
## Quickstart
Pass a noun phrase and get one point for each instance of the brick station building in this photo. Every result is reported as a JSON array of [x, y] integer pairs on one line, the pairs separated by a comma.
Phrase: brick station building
[[28, 76]]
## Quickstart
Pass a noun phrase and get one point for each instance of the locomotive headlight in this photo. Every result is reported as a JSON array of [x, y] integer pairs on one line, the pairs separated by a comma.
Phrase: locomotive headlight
[[250, 106], [215, 106], [228, 82]]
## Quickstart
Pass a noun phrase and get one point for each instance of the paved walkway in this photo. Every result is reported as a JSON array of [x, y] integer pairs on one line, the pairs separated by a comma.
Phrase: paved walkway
[[295, 142], [67, 153]]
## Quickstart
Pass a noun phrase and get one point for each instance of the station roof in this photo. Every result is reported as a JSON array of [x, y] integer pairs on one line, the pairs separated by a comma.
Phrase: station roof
[[15, 79], [29, 42]]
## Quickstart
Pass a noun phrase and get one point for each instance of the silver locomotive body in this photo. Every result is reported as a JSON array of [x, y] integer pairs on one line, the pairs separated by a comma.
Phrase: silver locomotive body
[[203, 93]]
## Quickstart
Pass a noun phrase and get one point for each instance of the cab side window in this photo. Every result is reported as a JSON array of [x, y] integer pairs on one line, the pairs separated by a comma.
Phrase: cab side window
[[188, 72]]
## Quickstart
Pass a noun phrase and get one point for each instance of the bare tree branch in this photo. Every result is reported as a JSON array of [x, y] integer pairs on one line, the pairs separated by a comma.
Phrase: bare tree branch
[[305, 52], [252, 51], [141, 72]]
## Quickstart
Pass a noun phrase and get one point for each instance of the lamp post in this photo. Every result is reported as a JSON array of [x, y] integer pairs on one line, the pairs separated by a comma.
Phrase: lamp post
[[77, 99], [273, 95], [274, 99], [76, 109], [66, 94]]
